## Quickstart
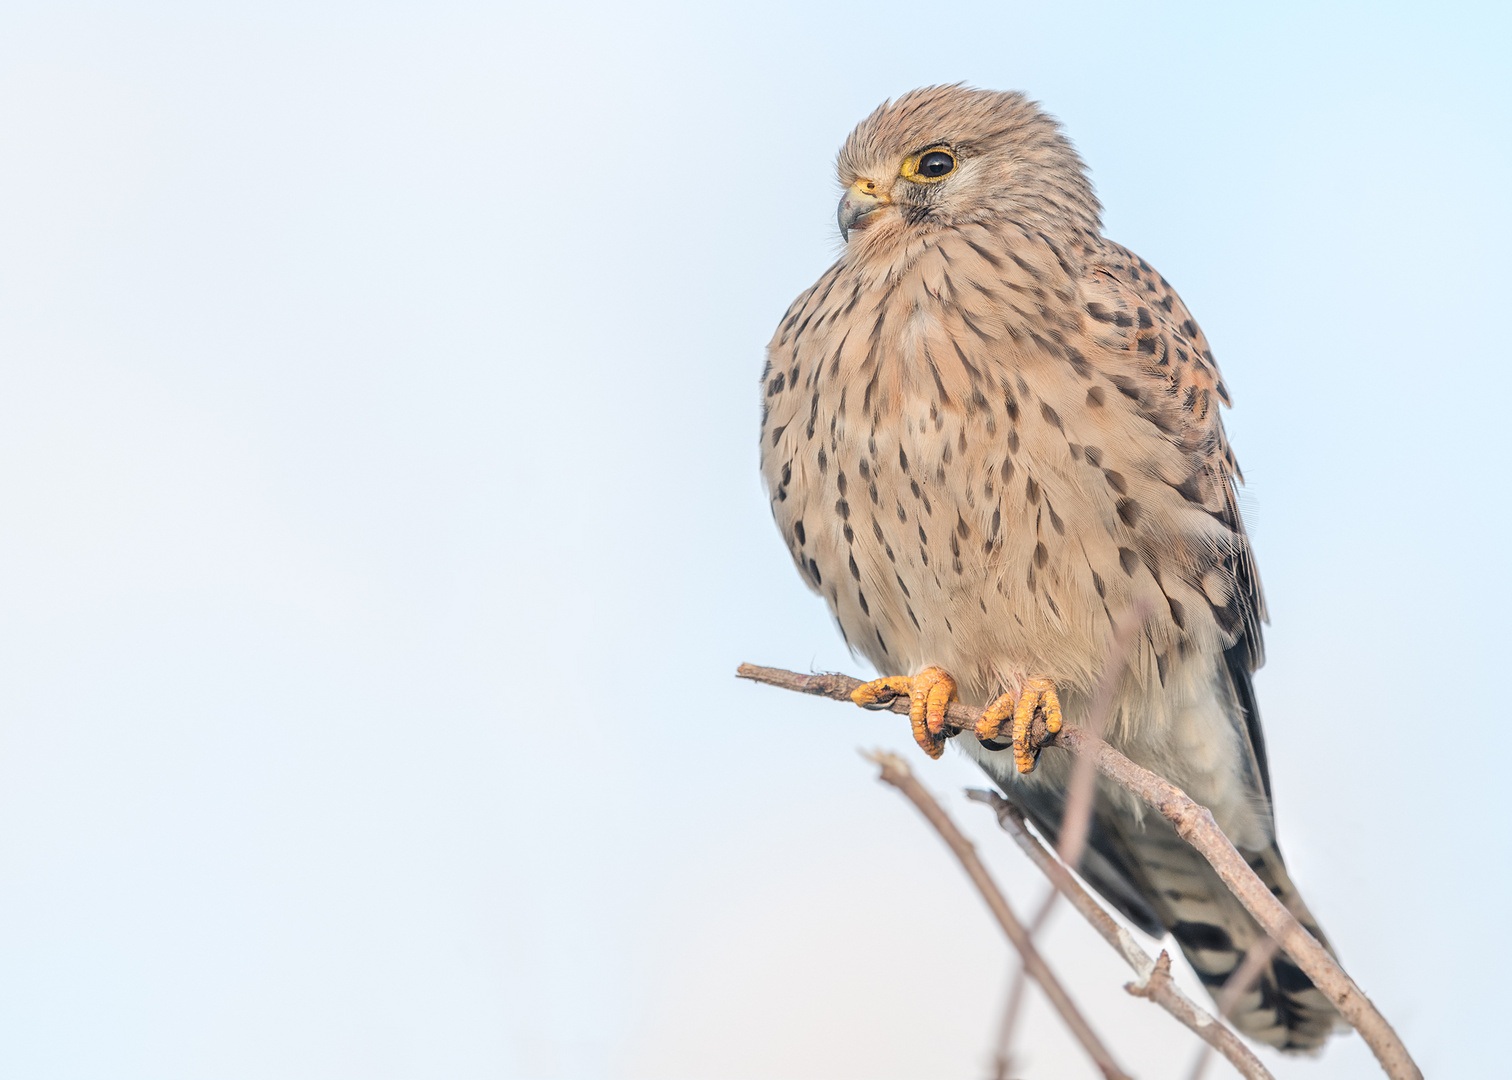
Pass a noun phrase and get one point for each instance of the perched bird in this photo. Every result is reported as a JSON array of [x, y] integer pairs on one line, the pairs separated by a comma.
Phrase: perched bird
[[988, 435]]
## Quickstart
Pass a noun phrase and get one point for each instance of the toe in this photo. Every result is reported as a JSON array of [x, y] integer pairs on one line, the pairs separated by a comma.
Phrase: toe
[[990, 726]]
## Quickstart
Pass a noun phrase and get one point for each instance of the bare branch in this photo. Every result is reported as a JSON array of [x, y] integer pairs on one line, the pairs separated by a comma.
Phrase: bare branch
[[896, 772], [1162, 991], [1076, 817], [1195, 825]]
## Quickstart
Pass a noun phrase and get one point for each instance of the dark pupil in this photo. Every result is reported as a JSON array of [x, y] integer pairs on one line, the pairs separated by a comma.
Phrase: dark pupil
[[936, 163]]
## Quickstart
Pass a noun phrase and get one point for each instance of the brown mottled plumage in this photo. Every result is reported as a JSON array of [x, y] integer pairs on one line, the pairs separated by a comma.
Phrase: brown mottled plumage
[[987, 432]]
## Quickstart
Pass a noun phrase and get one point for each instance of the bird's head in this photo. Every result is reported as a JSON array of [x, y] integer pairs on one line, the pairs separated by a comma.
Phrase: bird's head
[[943, 156]]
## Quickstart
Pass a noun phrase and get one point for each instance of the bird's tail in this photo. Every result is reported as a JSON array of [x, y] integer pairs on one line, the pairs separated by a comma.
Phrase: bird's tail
[[1283, 1008]]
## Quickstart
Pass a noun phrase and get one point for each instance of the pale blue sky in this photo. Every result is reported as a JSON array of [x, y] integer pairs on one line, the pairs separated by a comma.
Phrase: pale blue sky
[[378, 411]]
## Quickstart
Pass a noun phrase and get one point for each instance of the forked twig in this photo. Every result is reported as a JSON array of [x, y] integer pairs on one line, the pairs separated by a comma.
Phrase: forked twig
[[896, 772], [1195, 825], [1153, 982]]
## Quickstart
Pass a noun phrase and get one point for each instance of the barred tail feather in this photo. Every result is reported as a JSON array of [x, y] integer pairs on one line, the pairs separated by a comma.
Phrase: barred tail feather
[[1214, 931]]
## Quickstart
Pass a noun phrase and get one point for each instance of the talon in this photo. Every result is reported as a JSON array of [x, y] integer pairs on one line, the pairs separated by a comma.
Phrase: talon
[[930, 693], [1038, 694], [990, 726]]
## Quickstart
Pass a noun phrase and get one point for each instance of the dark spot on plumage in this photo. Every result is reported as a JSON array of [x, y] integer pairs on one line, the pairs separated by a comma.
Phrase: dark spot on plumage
[[823, 460], [911, 616], [787, 473], [1029, 579], [948, 628], [865, 607], [974, 328], [913, 485], [1012, 440], [1075, 449], [778, 384], [1093, 455], [777, 434], [840, 481], [1041, 555], [854, 569], [1289, 977], [1128, 511], [1115, 481], [1178, 613], [1097, 583], [871, 489], [1100, 312], [813, 414], [979, 401], [798, 532], [782, 494], [1145, 319], [1160, 667], [1055, 519], [940, 474], [1129, 560], [1054, 607], [927, 508], [880, 641], [1122, 318], [1095, 397], [1147, 345], [924, 555], [1031, 489], [1223, 394], [850, 534], [1168, 421], [1050, 415], [814, 572], [997, 519], [991, 259], [902, 514], [864, 468], [1189, 328], [842, 508], [1205, 936], [923, 537], [1126, 386], [945, 452], [1190, 489], [901, 585]]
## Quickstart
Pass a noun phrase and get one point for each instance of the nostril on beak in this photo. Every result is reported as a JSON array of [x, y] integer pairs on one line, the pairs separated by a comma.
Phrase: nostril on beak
[[862, 198]]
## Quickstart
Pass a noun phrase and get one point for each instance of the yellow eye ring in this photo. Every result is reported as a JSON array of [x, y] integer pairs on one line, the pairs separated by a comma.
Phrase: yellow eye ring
[[929, 166]]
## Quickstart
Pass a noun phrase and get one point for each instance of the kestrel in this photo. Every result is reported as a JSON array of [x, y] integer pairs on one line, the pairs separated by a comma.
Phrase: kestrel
[[989, 434]]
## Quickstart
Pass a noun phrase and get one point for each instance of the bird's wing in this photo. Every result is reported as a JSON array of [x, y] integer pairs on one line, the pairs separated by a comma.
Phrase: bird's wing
[[1169, 371]]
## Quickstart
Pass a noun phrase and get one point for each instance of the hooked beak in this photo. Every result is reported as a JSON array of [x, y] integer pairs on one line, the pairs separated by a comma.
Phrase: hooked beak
[[863, 198]]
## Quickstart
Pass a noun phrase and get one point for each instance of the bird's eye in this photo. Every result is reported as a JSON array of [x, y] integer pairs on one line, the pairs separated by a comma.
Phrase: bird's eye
[[930, 165], [935, 164]]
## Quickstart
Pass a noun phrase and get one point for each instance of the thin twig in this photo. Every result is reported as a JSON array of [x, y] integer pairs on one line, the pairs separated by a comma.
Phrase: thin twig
[[1163, 992], [1195, 825], [1076, 817], [896, 772]]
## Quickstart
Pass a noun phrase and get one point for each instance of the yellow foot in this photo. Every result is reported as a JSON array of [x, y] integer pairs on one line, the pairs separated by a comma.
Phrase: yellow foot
[[1038, 694], [990, 726], [929, 693]]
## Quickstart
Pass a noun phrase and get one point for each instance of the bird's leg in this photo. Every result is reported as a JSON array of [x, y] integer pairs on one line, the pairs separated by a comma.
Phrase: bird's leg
[[1038, 694], [929, 692]]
